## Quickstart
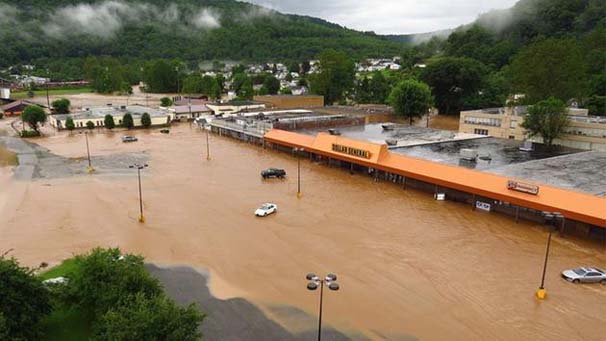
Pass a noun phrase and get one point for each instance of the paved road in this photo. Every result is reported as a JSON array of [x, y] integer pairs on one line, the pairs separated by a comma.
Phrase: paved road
[[233, 319]]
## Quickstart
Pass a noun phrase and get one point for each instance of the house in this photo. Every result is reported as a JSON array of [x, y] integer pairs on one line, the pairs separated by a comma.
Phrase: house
[[15, 108], [97, 115]]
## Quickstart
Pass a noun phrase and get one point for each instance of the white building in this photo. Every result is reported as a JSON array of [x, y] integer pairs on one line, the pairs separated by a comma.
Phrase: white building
[[97, 115]]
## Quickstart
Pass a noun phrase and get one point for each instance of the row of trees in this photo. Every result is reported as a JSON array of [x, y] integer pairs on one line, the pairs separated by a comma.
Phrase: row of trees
[[111, 290]]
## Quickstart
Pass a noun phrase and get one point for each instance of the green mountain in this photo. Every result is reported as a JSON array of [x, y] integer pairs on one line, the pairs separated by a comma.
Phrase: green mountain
[[191, 30]]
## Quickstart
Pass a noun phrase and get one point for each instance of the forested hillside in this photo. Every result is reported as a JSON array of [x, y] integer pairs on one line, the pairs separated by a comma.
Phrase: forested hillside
[[185, 29]]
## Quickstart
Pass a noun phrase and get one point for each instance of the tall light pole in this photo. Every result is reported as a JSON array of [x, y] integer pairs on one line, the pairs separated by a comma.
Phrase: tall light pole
[[550, 220], [139, 168], [298, 151], [207, 142], [89, 168], [314, 282]]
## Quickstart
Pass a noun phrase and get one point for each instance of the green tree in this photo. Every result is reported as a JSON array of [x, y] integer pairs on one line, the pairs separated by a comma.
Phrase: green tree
[[33, 115], [271, 86], [379, 88], [335, 78], [451, 79], [146, 120], [166, 101], [149, 318], [547, 119], [242, 85], [24, 301], [411, 98], [103, 279], [160, 76], [552, 67], [108, 122], [69, 124], [61, 106], [90, 125], [127, 121]]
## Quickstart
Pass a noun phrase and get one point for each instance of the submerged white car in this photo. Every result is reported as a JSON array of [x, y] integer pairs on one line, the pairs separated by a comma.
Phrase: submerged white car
[[266, 209], [585, 275]]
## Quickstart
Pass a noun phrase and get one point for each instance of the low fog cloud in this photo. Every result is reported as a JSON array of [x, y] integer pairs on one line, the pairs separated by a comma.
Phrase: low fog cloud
[[206, 19], [105, 19], [8, 14]]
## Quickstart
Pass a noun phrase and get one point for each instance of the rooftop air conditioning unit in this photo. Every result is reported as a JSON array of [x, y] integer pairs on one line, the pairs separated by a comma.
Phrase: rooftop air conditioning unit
[[469, 154]]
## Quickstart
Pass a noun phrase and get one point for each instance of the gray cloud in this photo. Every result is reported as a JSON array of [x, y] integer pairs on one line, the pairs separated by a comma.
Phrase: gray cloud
[[391, 16]]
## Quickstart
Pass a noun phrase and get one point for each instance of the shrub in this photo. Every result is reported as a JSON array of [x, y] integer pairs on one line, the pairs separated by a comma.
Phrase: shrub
[[29, 133], [90, 125], [146, 120], [109, 122], [166, 102], [127, 121], [69, 124]]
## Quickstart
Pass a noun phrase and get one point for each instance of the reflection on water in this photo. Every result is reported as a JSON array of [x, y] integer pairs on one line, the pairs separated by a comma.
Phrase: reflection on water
[[407, 265]]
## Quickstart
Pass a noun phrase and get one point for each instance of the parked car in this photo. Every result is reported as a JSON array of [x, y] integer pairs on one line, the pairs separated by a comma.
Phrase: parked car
[[128, 138], [273, 173], [266, 209], [585, 275]]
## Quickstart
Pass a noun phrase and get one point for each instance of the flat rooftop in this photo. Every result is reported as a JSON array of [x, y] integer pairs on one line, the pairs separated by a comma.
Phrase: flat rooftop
[[579, 171], [404, 135], [494, 152], [100, 112]]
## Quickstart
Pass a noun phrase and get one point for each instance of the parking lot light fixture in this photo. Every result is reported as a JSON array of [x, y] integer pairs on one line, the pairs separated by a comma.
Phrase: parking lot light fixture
[[315, 282], [139, 168]]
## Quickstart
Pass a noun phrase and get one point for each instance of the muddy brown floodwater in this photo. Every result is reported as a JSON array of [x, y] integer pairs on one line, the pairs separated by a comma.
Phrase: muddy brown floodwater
[[407, 265]]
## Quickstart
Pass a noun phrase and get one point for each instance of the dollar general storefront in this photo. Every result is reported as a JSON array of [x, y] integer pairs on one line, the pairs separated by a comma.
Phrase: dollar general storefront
[[580, 213]]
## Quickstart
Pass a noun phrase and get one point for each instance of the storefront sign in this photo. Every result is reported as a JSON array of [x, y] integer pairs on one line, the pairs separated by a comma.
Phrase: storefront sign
[[351, 151], [522, 187], [484, 206]]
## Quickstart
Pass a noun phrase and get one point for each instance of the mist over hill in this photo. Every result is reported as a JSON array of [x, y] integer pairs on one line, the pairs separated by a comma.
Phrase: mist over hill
[[186, 29]]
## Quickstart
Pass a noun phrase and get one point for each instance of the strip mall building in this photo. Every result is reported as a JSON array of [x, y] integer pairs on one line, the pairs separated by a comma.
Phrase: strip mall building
[[582, 213]]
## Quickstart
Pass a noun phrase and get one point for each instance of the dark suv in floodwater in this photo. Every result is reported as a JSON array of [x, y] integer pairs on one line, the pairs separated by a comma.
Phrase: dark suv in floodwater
[[273, 173]]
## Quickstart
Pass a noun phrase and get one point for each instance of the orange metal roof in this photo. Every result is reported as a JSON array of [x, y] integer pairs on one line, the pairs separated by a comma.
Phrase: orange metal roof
[[574, 205]]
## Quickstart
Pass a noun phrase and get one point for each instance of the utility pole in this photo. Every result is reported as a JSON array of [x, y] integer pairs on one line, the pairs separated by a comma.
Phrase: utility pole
[[207, 144], [314, 282]]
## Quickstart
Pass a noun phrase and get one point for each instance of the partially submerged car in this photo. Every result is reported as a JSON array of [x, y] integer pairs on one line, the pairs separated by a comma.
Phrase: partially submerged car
[[266, 209], [585, 275], [128, 138], [273, 173]]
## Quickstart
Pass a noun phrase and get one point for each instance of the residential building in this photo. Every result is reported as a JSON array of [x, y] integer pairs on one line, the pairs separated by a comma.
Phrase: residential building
[[584, 132], [15, 108], [97, 116]]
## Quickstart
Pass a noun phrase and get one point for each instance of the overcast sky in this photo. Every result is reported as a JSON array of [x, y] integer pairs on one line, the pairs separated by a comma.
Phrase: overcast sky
[[390, 16]]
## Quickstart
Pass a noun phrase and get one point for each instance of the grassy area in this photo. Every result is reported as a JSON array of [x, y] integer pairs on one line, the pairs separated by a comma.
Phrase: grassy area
[[52, 92], [60, 270], [65, 323]]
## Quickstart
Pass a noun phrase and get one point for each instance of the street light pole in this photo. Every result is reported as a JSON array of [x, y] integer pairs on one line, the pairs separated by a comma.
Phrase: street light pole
[[550, 219], [314, 282], [90, 168], [298, 150], [207, 145], [139, 168]]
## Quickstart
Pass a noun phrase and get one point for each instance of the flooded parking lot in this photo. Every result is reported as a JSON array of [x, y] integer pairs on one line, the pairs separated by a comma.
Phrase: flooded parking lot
[[407, 265]]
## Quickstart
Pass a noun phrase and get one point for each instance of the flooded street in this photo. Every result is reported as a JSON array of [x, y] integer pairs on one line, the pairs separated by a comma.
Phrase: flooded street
[[407, 265]]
